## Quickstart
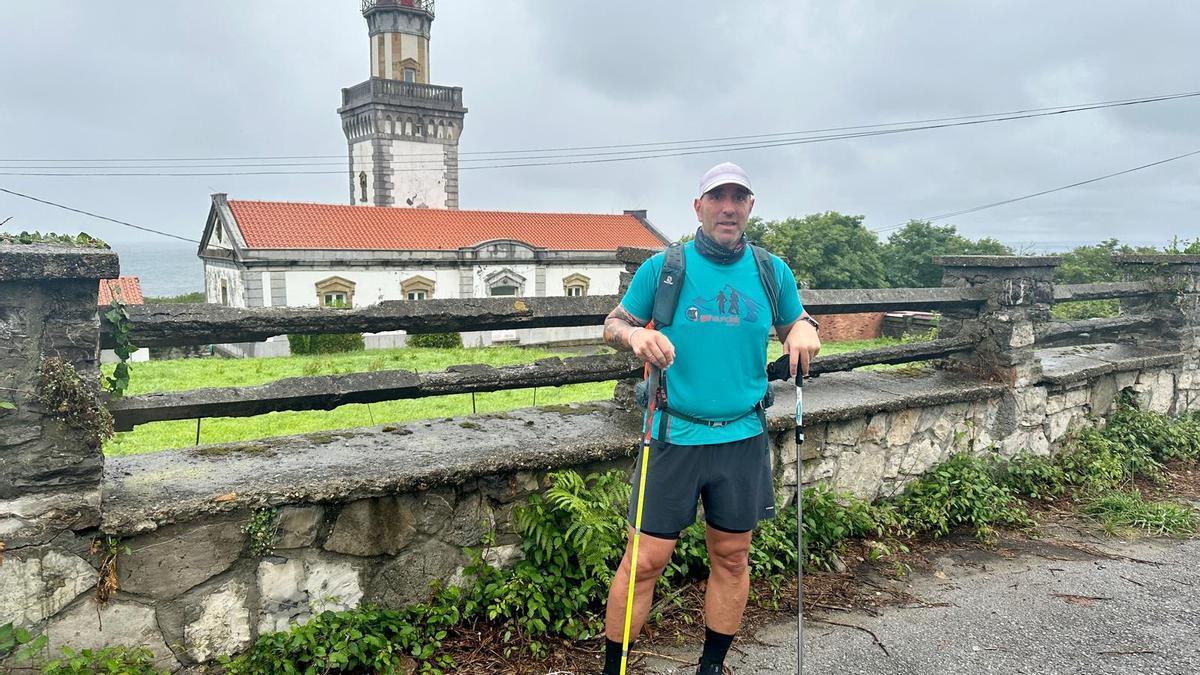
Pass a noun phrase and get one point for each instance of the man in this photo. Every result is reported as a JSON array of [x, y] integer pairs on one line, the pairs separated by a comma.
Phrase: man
[[711, 446]]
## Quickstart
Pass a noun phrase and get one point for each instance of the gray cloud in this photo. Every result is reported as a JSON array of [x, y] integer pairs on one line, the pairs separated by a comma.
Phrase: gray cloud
[[228, 78]]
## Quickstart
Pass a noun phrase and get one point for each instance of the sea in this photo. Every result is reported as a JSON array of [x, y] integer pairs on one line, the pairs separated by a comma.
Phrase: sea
[[164, 267]]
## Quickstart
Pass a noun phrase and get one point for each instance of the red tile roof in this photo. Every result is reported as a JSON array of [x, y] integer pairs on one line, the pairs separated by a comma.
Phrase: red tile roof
[[334, 226], [127, 289]]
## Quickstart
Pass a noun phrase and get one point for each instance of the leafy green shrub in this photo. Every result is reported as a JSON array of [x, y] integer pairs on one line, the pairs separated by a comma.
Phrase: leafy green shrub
[[1033, 477], [832, 517], [1159, 436], [330, 343], [961, 491], [1085, 309], [435, 340], [109, 660], [572, 538], [366, 639]]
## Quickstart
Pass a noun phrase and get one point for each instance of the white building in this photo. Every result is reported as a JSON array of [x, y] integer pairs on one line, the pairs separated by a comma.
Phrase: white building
[[284, 254]]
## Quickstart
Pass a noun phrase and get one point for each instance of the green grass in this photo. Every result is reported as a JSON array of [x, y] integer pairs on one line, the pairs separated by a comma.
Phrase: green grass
[[184, 374], [1123, 511]]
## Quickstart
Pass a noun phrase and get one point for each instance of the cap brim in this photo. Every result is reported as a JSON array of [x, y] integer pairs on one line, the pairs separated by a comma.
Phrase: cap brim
[[725, 180]]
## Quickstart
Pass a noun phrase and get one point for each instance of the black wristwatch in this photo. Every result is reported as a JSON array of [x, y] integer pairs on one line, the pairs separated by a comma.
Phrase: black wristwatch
[[811, 321]]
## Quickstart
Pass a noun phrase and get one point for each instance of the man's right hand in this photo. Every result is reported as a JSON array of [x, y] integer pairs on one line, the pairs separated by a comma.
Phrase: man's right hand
[[652, 347]]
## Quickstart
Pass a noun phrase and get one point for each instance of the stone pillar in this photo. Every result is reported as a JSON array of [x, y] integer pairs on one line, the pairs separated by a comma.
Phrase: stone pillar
[[49, 475], [1177, 306], [1019, 292]]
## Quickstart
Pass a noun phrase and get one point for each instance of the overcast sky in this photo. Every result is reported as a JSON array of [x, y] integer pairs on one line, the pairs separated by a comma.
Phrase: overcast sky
[[232, 78]]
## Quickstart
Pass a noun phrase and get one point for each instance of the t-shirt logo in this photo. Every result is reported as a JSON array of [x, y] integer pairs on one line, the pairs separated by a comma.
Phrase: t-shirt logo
[[729, 306]]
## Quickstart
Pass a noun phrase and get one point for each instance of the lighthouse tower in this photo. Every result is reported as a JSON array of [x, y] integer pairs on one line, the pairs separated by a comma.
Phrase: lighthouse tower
[[402, 131]]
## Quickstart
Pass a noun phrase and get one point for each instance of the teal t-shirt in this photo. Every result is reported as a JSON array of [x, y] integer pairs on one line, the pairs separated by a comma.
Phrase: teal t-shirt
[[720, 332]]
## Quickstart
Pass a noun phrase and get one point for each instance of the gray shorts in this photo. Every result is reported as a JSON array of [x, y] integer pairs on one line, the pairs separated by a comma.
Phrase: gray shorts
[[732, 479]]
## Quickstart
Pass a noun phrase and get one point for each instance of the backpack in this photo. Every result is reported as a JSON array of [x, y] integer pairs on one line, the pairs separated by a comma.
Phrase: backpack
[[670, 283], [666, 300]]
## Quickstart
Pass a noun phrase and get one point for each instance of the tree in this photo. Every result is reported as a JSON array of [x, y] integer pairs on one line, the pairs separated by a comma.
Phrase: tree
[[908, 253], [827, 250], [1094, 263]]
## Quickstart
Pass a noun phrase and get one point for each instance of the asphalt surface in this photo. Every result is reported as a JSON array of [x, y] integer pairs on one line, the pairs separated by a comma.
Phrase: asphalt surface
[[1070, 603]]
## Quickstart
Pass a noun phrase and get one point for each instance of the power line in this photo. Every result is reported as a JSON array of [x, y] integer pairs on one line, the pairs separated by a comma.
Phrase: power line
[[990, 205], [96, 215], [605, 159], [941, 216], [762, 138]]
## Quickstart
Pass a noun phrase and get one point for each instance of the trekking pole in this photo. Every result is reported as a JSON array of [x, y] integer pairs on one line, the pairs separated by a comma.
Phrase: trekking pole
[[800, 523], [653, 379]]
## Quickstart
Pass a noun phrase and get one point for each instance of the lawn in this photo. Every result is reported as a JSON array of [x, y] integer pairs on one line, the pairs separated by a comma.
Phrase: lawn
[[183, 374]]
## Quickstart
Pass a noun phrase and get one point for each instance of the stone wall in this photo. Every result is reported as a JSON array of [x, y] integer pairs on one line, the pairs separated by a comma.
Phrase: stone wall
[[376, 514]]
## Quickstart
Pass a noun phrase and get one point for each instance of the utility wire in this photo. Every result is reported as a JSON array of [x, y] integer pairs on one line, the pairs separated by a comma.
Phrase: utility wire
[[761, 138], [96, 215], [604, 160], [990, 205]]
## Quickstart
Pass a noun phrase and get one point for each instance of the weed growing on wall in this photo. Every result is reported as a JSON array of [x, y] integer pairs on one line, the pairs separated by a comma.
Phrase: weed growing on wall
[[260, 531], [69, 400], [109, 550]]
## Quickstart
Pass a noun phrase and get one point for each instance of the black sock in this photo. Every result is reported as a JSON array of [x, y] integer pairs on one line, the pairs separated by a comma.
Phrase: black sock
[[716, 646], [612, 657]]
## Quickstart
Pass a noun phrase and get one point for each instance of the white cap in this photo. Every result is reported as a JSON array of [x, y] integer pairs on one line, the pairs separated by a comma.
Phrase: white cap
[[724, 173]]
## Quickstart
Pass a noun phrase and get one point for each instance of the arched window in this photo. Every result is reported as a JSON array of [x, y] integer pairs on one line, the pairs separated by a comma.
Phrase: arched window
[[362, 185]]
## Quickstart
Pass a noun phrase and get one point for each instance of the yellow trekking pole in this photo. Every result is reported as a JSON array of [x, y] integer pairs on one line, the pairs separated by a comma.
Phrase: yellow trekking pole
[[653, 380]]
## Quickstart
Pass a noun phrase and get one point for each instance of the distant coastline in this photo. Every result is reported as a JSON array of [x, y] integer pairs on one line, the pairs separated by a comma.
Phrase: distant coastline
[[164, 267]]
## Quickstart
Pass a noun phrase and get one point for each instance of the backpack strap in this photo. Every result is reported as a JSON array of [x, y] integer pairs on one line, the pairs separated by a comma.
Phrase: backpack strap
[[766, 274], [670, 285]]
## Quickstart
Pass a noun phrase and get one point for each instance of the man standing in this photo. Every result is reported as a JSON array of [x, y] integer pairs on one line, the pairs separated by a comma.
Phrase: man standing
[[709, 444]]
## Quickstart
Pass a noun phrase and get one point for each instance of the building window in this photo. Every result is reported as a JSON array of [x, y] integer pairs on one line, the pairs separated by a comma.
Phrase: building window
[[576, 285], [335, 292], [224, 293], [218, 229], [362, 185], [417, 288], [505, 282], [410, 74]]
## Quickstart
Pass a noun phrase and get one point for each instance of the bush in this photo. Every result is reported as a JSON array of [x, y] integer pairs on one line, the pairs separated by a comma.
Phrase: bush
[[1034, 477], [831, 517], [436, 340], [330, 343], [962, 491]]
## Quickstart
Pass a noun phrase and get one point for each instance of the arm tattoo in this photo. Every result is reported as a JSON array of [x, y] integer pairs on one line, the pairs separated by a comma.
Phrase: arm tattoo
[[618, 325]]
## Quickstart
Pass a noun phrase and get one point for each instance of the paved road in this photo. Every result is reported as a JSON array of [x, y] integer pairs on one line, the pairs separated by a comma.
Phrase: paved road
[[1044, 608]]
